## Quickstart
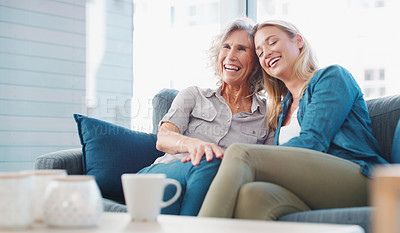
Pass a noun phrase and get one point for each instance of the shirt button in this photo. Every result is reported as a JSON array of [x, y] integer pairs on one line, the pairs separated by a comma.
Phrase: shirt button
[[203, 114], [229, 120]]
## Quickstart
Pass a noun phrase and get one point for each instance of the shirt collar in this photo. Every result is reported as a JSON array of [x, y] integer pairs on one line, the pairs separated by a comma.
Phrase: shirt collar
[[210, 92], [258, 103]]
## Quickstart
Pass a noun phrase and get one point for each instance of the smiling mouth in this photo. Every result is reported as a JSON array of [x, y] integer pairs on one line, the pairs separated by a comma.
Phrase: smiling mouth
[[273, 61], [231, 68]]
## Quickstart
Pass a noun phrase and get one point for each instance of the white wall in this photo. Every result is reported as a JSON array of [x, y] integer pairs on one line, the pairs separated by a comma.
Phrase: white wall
[[43, 72]]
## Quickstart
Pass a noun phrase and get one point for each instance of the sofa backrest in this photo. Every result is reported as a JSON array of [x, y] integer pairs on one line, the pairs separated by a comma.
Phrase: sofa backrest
[[161, 103], [396, 145], [384, 113]]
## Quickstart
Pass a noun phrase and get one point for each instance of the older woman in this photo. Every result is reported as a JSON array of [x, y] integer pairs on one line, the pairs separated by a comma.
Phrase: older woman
[[202, 123], [326, 148]]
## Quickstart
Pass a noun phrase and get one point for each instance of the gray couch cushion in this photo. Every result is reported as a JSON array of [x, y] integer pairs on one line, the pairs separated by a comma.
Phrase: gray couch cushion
[[355, 216], [113, 206], [161, 103], [70, 160], [384, 113]]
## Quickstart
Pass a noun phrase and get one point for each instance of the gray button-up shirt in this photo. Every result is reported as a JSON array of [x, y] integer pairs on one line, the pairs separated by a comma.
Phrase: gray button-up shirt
[[204, 114]]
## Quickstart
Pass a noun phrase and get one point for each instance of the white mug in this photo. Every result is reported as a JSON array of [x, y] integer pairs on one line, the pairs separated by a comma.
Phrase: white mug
[[72, 201], [144, 195], [16, 210], [41, 178]]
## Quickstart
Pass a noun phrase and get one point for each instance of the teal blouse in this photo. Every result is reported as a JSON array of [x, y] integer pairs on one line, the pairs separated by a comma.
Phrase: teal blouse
[[334, 119]]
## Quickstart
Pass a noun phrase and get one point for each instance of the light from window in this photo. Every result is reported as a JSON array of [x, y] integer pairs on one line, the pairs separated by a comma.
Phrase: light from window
[[379, 3], [285, 9], [356, 34], [382, 91], [374, 83], [170, 43], [369, 75], [381, 74]]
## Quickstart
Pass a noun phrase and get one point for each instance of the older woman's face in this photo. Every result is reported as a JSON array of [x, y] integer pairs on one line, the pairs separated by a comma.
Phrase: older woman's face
[[236, 58], [277, 53]]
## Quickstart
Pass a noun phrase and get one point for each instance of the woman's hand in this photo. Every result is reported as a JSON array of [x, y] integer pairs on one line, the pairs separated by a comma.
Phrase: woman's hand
[[198, 148], [169, 140]]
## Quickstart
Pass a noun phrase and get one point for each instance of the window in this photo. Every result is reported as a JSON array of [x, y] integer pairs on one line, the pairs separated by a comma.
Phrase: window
[[369, 74], [171, 39], [357, 34], [381, 74], [379, 3], [374, 83]]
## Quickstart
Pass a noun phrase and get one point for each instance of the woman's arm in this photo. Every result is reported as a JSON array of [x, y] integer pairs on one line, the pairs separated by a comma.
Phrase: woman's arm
[[332, 96], [169, 140]]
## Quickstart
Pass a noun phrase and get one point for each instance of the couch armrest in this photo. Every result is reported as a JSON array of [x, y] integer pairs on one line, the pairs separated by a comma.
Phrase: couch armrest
[[70, 160]]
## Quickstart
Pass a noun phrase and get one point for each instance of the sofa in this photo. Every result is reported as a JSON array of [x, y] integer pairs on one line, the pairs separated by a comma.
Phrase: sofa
[[100, 156]]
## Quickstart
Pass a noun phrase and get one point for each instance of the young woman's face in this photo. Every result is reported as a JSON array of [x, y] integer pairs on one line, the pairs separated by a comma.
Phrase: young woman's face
[[236, 58], [277, 53]]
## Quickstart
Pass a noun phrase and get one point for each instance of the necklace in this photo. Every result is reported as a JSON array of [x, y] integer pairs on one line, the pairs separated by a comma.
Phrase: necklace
[[239, 101], [230, 105]]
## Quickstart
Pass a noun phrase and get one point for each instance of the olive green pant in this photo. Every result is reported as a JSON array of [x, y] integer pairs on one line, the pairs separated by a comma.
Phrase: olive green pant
[[266, 182]]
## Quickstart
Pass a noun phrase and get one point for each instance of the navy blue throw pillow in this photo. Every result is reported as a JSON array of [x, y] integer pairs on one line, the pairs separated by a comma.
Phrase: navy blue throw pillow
[[109, 150]]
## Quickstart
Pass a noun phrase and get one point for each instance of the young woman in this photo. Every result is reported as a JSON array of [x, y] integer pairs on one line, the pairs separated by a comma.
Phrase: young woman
[[326, 148], [202, 123]]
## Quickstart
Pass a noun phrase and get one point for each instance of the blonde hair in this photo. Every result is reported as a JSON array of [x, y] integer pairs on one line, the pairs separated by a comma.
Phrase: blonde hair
[[255, 79], [304, 69]]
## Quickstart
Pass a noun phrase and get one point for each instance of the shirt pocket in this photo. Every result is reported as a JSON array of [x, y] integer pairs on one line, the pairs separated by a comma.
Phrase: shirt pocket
[[202, 119], [205, 112], [254, 135]]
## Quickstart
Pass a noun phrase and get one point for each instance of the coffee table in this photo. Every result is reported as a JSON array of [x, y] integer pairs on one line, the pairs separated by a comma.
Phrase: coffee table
[[120, 222]]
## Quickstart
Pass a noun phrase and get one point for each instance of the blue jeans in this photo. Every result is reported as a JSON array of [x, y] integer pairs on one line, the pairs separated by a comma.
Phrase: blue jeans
[[195, 181]]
